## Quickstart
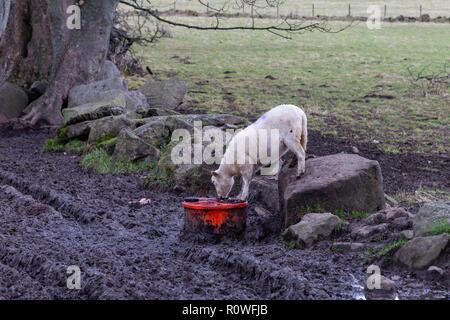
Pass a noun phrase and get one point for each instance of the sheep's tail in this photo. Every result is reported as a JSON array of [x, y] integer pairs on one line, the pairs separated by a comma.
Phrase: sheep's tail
[[304, 134]]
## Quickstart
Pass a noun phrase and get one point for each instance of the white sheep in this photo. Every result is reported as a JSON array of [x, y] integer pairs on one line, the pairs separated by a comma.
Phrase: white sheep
[[286, 129]]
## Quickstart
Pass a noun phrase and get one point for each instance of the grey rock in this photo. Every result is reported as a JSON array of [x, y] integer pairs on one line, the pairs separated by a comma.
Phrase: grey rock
[[90, 92], [164, 94], [13, 100], [407, 234], [312, 227], [129, 147], [188, 176], [396, 212], [156, 112], [386, 284], [135, 102], [109, 71], [367, 231], [108, 127], [375, 218], [339, 181], [429, 216], [402, 222], [420, 252], [264, 189], [38, 87], [348, 246], [158, 130], [78, 130]]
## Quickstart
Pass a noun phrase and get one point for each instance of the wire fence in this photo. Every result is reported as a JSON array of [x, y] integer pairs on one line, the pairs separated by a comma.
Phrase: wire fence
[[437, 8]]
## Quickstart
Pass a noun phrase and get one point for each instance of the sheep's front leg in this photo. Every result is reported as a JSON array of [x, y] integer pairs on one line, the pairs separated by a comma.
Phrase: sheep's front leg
[[246, 178]]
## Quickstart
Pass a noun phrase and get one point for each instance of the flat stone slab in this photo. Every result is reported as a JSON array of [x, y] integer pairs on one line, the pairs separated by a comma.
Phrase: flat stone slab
[[94, 110]]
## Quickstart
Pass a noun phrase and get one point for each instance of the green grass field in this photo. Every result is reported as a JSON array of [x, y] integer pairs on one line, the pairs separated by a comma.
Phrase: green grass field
[[321, 7], [351, 84]]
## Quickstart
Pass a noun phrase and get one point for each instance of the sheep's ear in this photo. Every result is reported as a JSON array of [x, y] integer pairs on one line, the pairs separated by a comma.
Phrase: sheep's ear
[[214, 173]]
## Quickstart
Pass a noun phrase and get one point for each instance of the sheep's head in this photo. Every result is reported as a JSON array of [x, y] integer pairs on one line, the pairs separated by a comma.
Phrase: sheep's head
[[222, 183]]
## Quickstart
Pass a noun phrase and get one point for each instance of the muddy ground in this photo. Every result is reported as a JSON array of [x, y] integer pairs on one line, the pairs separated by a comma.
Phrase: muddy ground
[[54, 214]]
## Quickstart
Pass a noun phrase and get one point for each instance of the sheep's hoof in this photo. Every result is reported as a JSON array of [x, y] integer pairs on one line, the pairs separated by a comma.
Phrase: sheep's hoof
[[242, 199]]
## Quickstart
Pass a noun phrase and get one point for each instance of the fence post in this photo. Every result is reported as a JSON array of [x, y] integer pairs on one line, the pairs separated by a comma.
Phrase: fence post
[[174, 6], [420, 10], [313, 9], [385, 10], [349, 10]]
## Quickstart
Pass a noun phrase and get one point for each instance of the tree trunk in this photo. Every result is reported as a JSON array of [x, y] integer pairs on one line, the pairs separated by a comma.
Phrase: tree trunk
[[38, 45], [4, 14]]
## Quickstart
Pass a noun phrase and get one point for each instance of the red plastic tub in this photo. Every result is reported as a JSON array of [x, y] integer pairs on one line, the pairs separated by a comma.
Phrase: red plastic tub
[[212, 215]]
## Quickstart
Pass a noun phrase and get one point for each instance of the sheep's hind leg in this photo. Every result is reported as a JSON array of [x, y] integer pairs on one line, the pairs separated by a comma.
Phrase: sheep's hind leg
[[297, 149]]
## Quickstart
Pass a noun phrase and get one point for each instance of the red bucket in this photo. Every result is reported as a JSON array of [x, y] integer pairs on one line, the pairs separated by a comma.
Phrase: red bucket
[[212, 215]]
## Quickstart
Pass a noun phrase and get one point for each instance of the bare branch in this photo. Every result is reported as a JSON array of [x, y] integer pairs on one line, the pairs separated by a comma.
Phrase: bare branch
[[283, 28]]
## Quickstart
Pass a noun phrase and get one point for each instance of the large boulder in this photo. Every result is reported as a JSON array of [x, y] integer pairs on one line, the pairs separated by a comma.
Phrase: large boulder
[[420, 252], [164, 94], [312, 227], [335, 182], [129, 147], [430, 216], [13, 100], [108, 127], [95, 110], [87, 93]]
